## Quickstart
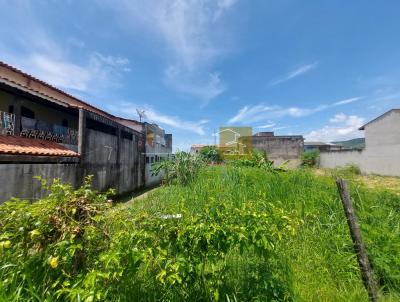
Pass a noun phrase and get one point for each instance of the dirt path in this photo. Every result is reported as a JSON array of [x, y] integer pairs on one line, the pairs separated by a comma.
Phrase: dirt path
[[129, 200]]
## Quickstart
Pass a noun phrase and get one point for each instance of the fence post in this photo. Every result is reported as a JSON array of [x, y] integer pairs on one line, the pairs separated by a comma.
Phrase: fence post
[[362, 256]]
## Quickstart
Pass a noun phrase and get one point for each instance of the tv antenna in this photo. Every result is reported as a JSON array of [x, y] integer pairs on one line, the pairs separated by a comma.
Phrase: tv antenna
[[141, 114]]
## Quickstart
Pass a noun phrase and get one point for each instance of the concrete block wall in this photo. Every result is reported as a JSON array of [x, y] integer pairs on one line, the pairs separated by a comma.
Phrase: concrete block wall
[[17, 179], [378, 160], [114, 161], [280, 148]]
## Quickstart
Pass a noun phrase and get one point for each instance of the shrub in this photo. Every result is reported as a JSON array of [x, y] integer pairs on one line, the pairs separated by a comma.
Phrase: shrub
[[50, 243], [258, 159], [184, 167], [210, 154], [71, 246], [310, 158]]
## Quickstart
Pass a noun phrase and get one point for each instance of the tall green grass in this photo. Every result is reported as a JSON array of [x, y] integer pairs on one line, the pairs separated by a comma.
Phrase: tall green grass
[[321, 255], [231, 234]]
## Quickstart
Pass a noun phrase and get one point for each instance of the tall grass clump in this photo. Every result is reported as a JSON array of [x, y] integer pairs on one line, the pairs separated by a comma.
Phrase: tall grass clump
[[211, 154], [183, 167], [310, 158], [257, 159]]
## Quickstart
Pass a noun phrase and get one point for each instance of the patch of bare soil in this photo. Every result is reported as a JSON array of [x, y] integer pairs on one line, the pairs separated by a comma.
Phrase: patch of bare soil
[[380, 182]]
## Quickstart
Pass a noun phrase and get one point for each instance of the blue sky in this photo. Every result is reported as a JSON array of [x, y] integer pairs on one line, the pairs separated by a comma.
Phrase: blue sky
[[316, 68]]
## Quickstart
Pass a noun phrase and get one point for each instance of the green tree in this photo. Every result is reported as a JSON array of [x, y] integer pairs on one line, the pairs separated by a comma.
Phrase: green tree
[[210, 154]]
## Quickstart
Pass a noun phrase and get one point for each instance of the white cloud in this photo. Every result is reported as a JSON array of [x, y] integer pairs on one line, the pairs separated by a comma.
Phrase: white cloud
[[341, 127], [115, 62], [58, 73], [55, 59], [97, 71], [194, 35], [295, 73], [340, 117], [189, 28], [127, 109], [205, 87], [42, 57], [257, 113]]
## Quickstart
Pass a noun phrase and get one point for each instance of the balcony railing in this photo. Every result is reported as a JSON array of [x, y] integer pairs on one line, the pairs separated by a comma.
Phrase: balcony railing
[[37, 129], [7, 123]]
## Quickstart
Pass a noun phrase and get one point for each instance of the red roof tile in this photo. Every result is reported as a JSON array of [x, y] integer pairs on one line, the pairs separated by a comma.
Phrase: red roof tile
[[26, 146]]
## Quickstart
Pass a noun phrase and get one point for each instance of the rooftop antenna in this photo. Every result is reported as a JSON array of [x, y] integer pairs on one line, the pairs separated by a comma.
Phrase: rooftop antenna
[[141, 114]]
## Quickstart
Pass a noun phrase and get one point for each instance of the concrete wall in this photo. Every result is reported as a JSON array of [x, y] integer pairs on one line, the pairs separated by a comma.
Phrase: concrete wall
[[383, 131], [280, 148], [381, 154], [334, 159], [17, 178], [382, 161], [114, 161]]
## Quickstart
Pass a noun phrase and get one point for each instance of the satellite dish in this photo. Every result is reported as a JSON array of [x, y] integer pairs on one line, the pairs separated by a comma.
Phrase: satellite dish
[[141, 114]]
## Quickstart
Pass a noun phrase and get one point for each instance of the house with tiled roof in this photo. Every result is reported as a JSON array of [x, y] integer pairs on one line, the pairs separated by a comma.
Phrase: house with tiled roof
[[48, 132]]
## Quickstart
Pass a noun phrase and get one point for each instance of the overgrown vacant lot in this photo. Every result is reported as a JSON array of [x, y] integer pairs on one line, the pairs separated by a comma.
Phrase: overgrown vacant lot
[[234, 234]]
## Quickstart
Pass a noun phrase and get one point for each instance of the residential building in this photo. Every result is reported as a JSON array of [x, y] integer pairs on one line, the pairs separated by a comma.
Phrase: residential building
[[382, 148], [47, 132], [158, 147]]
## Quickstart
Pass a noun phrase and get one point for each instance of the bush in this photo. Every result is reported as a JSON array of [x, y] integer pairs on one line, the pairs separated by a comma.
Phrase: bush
[[71, 246], [48, 246], [310, 158], [258, 159], [210, 154], [184, 167]]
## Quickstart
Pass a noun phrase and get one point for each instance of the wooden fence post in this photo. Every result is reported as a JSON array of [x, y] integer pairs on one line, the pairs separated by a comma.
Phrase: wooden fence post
[[362, 256]]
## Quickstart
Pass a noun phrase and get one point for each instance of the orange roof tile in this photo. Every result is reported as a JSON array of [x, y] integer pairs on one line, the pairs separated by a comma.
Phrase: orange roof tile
[[25, 146]]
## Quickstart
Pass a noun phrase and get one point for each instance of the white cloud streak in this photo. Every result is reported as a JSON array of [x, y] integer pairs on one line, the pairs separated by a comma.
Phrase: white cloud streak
[[257, 113], [295, 73], [340, 127], [271, 125]]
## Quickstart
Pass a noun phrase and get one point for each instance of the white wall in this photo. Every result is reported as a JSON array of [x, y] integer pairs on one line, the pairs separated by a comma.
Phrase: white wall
[[383, 131], [334, 159], [382, 152]]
